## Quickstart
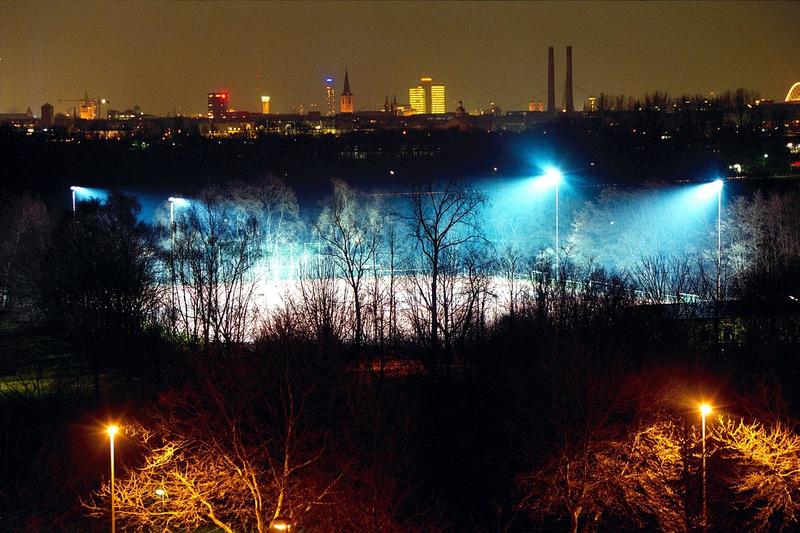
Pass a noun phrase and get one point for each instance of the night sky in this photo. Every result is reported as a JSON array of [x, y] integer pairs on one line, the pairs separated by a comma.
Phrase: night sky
[[167, 56]]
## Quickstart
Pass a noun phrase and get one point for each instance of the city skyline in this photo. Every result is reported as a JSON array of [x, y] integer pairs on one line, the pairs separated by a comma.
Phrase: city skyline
[[485, 52]]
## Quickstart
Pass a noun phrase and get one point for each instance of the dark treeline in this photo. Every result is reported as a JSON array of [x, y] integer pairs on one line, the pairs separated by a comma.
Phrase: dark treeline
[[392, 366]]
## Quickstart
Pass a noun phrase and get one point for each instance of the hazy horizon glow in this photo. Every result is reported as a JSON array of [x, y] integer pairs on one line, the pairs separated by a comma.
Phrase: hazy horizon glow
[[167, 56]]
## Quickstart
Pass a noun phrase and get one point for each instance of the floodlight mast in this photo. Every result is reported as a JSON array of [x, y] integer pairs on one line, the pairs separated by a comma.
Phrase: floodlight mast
[[718, 183], [553, 176]]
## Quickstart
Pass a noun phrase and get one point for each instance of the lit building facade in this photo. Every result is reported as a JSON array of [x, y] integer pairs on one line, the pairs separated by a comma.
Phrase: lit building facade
[[87, 110], [536, 106], [438, 104], [416, 99], [346, 99], [217, 104], [330, 97], [427, 98], [265, 105]]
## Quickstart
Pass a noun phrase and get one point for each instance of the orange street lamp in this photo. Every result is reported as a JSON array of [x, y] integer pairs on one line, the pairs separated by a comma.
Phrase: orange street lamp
[[705, 410], [112, 430], [280, 524]]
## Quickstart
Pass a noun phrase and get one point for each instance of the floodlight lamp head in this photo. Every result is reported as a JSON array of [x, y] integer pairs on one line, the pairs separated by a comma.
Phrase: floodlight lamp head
[[552, 176]]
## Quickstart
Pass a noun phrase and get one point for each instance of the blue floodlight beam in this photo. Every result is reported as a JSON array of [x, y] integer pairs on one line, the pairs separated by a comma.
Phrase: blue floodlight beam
[[702, 195]]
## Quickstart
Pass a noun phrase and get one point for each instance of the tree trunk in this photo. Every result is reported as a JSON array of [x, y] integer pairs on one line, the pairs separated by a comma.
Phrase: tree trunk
[[434, 307], [575, 518]]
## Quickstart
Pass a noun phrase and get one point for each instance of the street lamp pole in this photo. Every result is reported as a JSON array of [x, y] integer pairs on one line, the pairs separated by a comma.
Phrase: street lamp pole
[[719, 238], [72, 190], [112, 430], [558, 261], [705, 409]]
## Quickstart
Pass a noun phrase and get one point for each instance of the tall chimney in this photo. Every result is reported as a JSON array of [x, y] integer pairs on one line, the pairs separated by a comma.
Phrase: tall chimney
[[551, 83], [568, 104]]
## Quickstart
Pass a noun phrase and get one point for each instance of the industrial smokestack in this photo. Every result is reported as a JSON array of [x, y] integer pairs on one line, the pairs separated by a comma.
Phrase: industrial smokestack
[[551, 82], [568, 104]]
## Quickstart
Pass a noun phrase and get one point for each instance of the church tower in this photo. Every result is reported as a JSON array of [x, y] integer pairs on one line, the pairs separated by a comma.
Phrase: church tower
[[346, 99]]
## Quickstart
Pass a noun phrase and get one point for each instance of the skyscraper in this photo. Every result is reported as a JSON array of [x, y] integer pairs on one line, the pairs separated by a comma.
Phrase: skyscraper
[[265, 105], [437, 99], [416, 99], [346, 99], [427, 98], [217, 104], [330, 97]]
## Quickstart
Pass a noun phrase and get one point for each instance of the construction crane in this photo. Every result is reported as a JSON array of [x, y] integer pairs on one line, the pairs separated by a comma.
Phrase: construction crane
[[87, 103]]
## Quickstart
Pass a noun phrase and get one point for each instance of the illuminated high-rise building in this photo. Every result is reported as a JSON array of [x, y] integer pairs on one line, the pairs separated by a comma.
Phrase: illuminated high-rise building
[[437, 99], [330, 97], [427, 98], [265, 105], [346, 99], [217, 104], [416, 99]]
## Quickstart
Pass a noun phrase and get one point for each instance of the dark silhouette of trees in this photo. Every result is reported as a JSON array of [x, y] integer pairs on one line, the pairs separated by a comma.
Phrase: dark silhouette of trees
[[98, 287], [215, 248], [24, 230]]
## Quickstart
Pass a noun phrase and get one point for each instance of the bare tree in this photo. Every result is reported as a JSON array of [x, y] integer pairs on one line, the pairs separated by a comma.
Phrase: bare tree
[[662, 279], [24, 223], [229, 451], [350, 230], [441, 220], [215, 248], [638, 479], [766, 475], [274, 206]]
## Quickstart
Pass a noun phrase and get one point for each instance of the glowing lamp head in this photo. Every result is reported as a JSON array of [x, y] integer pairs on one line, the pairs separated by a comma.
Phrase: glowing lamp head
[[160, 492], [329, 80], [177, 201], [705, 409], [717, 183], [112, 430], [280, 524], [552, 176]]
